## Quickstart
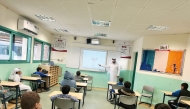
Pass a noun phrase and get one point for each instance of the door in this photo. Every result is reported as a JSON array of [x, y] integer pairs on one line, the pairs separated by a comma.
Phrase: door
[[134, 69]]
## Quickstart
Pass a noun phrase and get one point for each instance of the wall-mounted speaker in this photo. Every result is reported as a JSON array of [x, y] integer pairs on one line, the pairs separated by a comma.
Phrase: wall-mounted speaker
[[75, 38], [113, 41], [88, 41]]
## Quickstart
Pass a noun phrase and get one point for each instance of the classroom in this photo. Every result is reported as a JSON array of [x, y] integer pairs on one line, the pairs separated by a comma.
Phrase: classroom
[[96, 54]]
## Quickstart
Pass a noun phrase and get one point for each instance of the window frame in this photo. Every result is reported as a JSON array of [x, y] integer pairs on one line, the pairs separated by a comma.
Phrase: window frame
[[42, 51], [12, 33]]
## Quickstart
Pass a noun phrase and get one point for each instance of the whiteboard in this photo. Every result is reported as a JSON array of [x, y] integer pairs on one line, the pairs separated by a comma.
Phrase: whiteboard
[[90, 58], [72, 57]]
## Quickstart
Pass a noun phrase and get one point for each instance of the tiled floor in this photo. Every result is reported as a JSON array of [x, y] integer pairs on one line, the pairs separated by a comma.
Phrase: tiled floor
[[95, 99]]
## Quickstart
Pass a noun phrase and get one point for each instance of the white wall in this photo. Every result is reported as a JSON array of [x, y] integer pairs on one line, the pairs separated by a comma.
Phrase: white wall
[[186, 69], [175, 42], [105, 44], [9, 20]]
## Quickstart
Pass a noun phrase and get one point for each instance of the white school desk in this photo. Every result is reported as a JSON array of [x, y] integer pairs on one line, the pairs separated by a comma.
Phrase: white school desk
[[12, 84], [110, 83], [116, 93], [166, 93], [83, 75], [84, 85], [85, 79], [33, 79], [79, 96], [48, 76]]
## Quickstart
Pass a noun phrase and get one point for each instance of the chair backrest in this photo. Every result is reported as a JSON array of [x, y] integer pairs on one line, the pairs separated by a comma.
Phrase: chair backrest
[[117, 86], [78, 80], [72, 89], [36, 75], [183, 98], [1, 87], [128, 100], [64, 103], [90, 78], [10, 80], [148, 89]]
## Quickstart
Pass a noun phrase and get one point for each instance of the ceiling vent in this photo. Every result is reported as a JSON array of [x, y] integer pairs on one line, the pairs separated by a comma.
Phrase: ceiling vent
[[157, 28], [100, 34], [101, 23]]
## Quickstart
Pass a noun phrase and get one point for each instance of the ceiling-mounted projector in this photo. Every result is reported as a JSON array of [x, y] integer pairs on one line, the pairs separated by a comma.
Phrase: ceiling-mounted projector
[[93, 41]]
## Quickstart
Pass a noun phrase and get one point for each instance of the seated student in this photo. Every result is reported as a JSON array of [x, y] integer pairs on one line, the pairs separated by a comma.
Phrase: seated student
[[68, 80], [65, 91], [77, 76], [16, 76], [178, 94], [112, 90], [161, 106], [30, 100], [126, 91], [39, 72]]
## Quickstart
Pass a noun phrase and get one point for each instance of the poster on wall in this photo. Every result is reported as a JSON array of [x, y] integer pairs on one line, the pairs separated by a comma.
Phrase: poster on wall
[[59, 45], [124, 47]]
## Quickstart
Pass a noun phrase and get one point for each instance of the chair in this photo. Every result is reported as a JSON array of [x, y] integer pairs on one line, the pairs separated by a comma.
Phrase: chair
[[128, 100], [72, 89], [4, 98], [148, 92], [63, 103], [78, 80], [179, 101], [39, 83], [90, 81]]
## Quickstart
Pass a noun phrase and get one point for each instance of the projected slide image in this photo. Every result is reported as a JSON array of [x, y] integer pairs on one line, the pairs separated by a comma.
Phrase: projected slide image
[[91, 59]]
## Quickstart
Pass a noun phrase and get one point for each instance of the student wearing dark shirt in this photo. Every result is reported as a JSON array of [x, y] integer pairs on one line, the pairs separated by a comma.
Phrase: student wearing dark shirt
[[178, 94], [126, 91], [161, 106], [39, 72], [112, 90]]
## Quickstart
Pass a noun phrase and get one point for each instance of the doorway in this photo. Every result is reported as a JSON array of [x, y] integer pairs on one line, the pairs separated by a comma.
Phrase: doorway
[[135, 54]]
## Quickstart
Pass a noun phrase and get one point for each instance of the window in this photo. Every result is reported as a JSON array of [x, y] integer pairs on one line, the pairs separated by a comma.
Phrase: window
[[37, 50], [41, 51], [14, 46], [46, 52], [4, 45], [19, 49]]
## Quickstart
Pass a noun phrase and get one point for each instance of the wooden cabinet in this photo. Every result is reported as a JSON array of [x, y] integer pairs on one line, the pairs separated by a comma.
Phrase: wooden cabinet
[[53, 71]]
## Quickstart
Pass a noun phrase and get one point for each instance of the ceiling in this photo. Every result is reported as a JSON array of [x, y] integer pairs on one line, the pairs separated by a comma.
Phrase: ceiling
[[129, 18]]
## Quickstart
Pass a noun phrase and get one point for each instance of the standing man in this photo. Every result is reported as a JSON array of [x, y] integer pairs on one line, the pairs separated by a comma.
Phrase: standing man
[[113, 69]]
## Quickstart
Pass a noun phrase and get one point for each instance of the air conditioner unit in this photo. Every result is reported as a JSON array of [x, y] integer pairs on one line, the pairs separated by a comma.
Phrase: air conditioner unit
[[93, 41], [27, 26]]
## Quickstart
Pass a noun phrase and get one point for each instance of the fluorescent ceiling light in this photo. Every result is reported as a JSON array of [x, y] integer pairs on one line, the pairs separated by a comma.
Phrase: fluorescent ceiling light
[[60, 30], [100, 34], [46, 18], [157, 28], [101, 23]]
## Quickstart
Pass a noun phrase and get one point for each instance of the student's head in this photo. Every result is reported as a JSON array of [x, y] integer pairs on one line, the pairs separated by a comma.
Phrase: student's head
[[30, 100], [161, 106], [68, 76], [78, 73], [18, 71], [39, 69], [121, 80], [127, 84], [184, 86], [113, 60], [65, 89]]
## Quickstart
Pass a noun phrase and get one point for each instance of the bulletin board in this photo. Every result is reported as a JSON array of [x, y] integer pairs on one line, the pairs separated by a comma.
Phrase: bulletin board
[[164, 61]]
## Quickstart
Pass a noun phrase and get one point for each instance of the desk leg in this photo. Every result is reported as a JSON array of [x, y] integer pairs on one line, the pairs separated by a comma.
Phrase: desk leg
[[107, 92], [49, 82], [83, 96], [17, 91], [115, 101], [164, 97], [36, 86], [79, 105]]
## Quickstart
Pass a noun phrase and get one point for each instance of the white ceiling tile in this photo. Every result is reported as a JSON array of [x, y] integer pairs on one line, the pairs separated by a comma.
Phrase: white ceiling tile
[[80, 15], [164, 4], [99, 29], [153, 13], [75, 6], [184, 7], [133, 3], [138, 26], [127, 12], [108, 2], [144, 21], [102, 17], [101, 8], [178, 15]]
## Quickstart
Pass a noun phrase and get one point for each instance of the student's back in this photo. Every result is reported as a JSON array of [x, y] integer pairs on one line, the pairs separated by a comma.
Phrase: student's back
[[68, 80], [183, 93]]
